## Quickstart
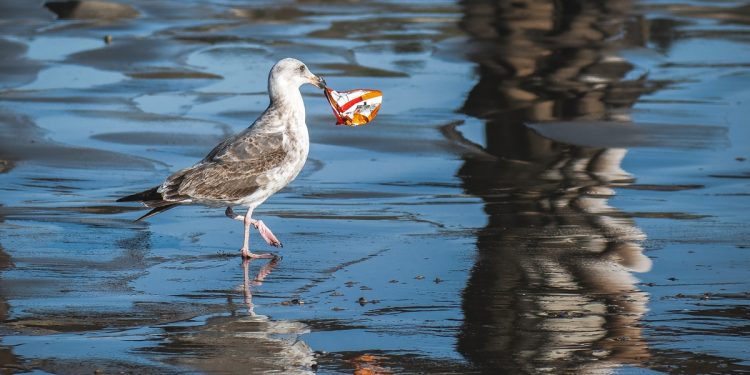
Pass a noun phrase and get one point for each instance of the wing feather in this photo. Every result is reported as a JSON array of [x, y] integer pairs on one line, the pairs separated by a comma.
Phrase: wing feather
[[234, 169]]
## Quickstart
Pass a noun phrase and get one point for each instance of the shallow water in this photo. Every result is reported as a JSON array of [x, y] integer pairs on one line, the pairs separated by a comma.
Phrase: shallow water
[[548, 188]]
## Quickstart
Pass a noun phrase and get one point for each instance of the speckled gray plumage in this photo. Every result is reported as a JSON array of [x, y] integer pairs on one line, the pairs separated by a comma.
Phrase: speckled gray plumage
[[254, 163]]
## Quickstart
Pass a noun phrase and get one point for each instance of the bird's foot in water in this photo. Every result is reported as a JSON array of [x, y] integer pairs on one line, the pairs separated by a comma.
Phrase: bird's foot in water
[[266, 233], [246, 254]]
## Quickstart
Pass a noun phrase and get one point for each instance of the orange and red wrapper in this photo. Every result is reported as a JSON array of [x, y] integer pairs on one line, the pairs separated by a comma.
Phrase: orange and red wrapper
[[354, 107]]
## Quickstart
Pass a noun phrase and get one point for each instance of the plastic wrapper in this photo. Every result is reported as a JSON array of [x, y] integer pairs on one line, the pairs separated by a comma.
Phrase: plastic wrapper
[[354, 107]]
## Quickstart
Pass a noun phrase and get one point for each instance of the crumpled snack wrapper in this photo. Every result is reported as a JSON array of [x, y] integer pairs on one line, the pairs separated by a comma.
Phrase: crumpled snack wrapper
[[354, 107]]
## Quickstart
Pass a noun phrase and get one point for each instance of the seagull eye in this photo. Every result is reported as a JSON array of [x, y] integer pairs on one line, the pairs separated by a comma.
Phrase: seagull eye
[[301, 68]]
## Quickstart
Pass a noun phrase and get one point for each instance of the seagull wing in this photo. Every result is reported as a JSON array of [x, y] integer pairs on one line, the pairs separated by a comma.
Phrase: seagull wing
[[234, 169]]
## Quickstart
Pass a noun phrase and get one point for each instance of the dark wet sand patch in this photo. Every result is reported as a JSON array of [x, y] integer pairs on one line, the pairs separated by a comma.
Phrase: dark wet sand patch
[[22, 140], [139, 314], [173, 74], [398, 310], [158, 139], [740, 176], [334, 216], [351, 70], [15, 69], [210, 39], [56, 179], [735, 312], [662, 215], [350, 194], [99, 209], [270, 15], [146, 117], [90, 10], [128, 54], [661, 187], [37, 97], [93, 366], [611, 134]]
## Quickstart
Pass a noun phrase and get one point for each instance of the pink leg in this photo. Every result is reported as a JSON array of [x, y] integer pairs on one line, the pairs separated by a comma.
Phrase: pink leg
[[264, 231], [247, 221]]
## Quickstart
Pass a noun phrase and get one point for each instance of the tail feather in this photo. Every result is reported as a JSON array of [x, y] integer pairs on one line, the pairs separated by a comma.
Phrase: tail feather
[[144, 196], [157, 210], [152, 199]]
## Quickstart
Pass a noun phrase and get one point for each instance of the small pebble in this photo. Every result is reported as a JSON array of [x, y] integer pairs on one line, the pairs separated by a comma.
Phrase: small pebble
[[419, 277], [438, 280], [362, 301], [740, 158], [672, 279], [393, 281], [108, 39]]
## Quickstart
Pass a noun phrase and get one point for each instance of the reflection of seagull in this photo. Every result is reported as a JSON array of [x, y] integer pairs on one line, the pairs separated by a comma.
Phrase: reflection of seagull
[[246, 283], [249, 167]]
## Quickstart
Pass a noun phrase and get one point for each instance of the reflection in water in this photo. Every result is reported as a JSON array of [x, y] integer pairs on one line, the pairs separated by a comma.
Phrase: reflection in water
[[241, 345], [264, 271], [9, 362], [369, 364], [552, 288]]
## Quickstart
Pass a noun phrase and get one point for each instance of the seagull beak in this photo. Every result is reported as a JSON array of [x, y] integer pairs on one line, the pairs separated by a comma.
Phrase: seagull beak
[[318, 82]]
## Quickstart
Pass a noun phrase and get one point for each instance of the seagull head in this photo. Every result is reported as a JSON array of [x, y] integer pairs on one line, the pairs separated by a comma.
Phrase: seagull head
[[292, 73]]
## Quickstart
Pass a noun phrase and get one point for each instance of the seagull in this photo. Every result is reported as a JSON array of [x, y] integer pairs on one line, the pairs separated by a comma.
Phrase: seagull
[[247, 168]]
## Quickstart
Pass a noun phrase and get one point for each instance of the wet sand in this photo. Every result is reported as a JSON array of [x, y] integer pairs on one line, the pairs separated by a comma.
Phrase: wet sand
[[547, 189]]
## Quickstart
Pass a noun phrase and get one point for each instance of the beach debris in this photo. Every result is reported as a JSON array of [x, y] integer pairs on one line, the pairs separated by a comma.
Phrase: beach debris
[[293, 301], [363, 301], [354, 107]]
